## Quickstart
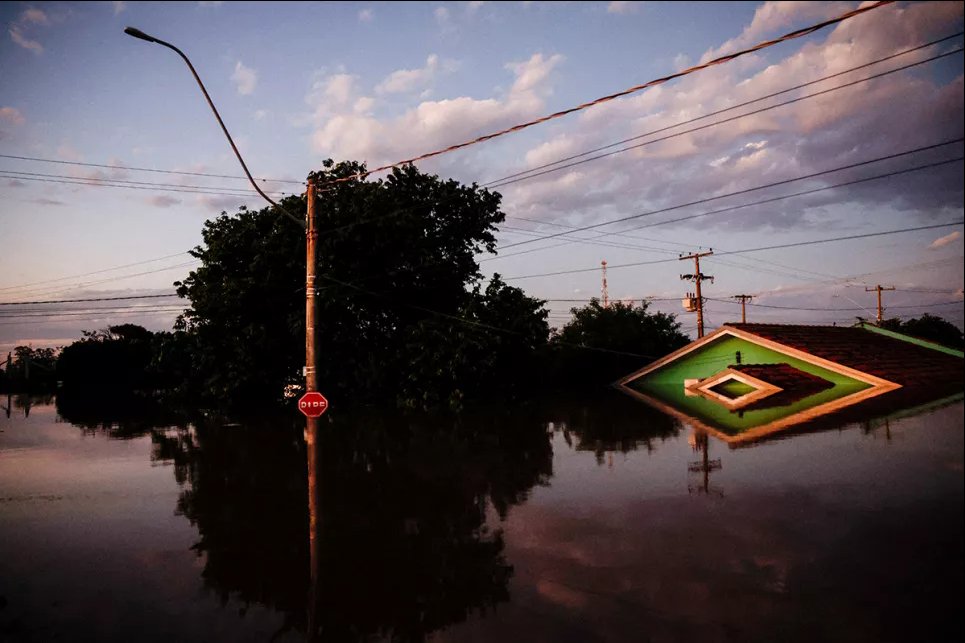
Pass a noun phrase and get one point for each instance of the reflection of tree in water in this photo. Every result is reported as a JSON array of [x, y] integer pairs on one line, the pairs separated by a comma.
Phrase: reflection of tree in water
[[23, 402], [244, 490], [406, 549], [611, 422], [121, 416]]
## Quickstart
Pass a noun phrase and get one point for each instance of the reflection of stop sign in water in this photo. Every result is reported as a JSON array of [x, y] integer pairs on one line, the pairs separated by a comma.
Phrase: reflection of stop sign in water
[[313, 404]]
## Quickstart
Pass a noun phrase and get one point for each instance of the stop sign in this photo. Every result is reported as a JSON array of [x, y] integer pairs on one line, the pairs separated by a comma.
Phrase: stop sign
[[313, 404]]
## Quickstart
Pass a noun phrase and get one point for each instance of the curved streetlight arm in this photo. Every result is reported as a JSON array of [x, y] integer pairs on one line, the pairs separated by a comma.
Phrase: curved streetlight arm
[[137, 33]]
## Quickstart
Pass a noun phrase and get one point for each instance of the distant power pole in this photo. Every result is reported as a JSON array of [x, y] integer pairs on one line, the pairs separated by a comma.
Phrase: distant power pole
[[881, 310], [744, 299], [606, 294], [698, 277]]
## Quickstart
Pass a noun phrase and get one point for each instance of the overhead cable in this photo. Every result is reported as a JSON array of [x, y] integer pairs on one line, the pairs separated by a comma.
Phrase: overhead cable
[[798, 33]]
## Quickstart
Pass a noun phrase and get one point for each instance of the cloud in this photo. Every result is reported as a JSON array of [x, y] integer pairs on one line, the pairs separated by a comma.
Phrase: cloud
[[406, 80], [344, 128], [244, 78], [773, 16], [66, 152], [119, 6], [32, 15], [12, 115], [46, 201], [222, 203], [474, 6], [622, 7], [29, 18], [443, 18], [904, 111], [162, 201], [217, 3], [31, 45], [532, 74], [366, 15], [14, 183], [260, 114], [941, 242]]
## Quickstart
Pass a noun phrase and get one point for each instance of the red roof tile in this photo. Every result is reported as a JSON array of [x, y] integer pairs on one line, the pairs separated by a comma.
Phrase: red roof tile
[[895, 360]]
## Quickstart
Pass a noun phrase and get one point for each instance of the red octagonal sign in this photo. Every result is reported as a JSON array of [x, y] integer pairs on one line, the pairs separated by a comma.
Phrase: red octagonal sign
[[313, 404]]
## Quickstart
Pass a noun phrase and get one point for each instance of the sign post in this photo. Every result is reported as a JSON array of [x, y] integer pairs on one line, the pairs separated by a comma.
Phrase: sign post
[[313, 404]]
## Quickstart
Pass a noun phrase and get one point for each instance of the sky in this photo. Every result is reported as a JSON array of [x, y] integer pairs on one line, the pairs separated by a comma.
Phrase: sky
[[297, 83]]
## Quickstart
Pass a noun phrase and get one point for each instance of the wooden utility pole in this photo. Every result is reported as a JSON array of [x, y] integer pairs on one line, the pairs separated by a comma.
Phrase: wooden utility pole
[[744, 299], [311, 384], [881, 310], [311, 254], [698, 277], [606, 294]]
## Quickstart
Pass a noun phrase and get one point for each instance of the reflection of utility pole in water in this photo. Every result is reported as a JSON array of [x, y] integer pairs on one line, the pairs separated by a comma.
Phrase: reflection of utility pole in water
[[314, 537], [9, 404], [699, 442], [871, 429]]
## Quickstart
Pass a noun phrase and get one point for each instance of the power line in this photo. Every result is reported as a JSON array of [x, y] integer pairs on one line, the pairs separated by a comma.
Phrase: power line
[[733, 107], [98, 181], [530, 174], [73, 301], [786, 272], [927, 290], [799, 33], [94, 272], [471, 322], [143, 310], [786, 245], [102, 184], [37, 292], [143, 169], [755, 189], [98, 318], [944, 303], [496, 182]]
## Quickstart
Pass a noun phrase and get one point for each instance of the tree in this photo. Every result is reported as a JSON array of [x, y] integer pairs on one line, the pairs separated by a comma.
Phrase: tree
[[402, 316], [115, 358], [31, 369], [602, 344], [930, 327]]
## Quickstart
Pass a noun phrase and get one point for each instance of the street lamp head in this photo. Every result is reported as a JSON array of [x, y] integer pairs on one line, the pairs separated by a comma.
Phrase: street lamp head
[[137, 33]]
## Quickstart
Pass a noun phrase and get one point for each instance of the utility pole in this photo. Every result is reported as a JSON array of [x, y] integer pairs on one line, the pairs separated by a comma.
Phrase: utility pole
[[698, 277], [606, 294], [311, 358], [744, 299], [881, 310], [311, 260], [311, 423]]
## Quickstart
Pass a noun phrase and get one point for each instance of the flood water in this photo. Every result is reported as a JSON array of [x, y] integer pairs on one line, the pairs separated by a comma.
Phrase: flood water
[[581, 520]]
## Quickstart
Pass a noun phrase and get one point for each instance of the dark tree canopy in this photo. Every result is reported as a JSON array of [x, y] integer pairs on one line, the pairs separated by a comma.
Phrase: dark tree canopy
[[117, 358], [930, 327], [402, 314], [625, 337], [28, 369]]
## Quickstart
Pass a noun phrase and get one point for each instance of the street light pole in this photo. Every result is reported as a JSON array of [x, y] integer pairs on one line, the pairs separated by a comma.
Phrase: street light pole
[[311, 357], [311, 237], [137, 33]]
